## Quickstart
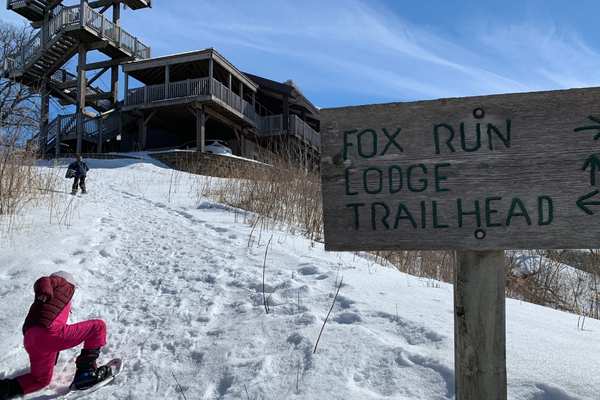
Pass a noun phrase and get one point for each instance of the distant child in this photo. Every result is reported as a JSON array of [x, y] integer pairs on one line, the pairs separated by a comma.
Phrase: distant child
[[78, 169], [46, 333]]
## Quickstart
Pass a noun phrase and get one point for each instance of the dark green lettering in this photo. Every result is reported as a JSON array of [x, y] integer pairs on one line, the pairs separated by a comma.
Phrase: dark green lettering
[[423, 181], [356, 218], [347, 143], [436, 136], [423, 215], [373, 152], [383, 219], [505, 139], [378, 180], [391, 140], [461, 212], [391, 170], [436, 223], [399, 215], [463, 139], [489, 211], [517, 203], [439, 177], [550, 205], [347, 182]]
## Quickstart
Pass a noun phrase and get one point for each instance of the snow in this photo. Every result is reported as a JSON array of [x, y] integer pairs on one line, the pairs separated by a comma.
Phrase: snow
[[180, 288]]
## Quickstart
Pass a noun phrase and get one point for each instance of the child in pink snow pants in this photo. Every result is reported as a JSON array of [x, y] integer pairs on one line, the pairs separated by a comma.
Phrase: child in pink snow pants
[[46, 333]]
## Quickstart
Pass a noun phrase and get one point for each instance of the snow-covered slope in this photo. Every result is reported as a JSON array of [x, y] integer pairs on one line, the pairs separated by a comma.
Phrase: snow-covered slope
[[180, 289]]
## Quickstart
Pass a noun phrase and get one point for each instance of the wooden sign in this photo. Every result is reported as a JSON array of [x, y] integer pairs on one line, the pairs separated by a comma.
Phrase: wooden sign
[[481, 173]]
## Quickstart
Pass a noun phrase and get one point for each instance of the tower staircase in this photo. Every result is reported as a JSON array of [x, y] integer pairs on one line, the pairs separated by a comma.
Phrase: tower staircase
[[64, 32]]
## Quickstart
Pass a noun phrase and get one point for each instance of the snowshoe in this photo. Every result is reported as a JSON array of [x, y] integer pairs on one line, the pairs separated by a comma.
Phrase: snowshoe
[[85, 379], [10, 389]]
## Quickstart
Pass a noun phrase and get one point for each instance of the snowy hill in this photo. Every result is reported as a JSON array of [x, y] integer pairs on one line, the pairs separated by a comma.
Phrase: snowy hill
[[181, 291]]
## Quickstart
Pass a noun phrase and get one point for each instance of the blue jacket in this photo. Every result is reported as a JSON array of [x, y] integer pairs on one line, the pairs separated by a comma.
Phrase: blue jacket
[[80, 168]]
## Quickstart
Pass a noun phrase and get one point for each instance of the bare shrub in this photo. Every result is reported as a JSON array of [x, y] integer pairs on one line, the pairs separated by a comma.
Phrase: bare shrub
[[283, 192]]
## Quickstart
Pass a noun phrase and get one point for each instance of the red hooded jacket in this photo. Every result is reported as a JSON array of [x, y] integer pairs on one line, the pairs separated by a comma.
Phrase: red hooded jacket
[[59, 293]]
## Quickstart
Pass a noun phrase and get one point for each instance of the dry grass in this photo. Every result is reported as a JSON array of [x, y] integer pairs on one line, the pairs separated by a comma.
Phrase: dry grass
[[289, 195], [283, 195], [22, 184]]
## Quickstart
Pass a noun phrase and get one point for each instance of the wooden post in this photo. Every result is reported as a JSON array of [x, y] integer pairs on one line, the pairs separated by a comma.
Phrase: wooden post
[[142, 133], [167, 79], [126, 87], [114, 72], [100, 135], [82, 85], [480, 325], [286, 114], [57, 139], [44, 111], [200, 128], [211, 73]]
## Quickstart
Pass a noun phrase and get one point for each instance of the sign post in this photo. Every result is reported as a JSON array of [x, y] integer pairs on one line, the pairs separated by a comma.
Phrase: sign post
[[476, 175], [479, 325]]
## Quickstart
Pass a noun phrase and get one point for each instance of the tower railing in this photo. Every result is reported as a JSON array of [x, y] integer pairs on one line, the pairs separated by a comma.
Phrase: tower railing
[[68, 18]]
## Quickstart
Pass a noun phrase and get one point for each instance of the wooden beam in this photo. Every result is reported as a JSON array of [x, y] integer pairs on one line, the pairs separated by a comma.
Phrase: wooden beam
[[107, 64], [98, 75], [101, 3], [81, 94], [100, 96], [100, 44], [114, 72], [100, 132], [126, 86], [44, 111], [480, 325], [57, 139], [200, 129], [149, 117]]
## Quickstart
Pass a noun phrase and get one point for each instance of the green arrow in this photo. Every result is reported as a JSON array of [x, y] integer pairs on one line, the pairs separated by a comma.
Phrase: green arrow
[[581, 202], [593, 162], [591, 127]]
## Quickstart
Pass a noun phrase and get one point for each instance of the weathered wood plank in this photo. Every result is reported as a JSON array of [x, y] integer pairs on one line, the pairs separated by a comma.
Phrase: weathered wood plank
[[480, 326], [479, 173]]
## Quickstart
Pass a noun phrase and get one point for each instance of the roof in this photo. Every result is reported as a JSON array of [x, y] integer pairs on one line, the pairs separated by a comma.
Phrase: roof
[[288, 88], [191, 56]]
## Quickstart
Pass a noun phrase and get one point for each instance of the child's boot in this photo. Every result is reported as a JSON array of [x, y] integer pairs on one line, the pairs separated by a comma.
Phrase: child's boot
[[87, 374], [10, 389]]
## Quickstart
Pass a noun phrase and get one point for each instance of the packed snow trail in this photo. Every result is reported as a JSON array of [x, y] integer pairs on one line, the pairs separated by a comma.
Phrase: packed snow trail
[[181, 291]]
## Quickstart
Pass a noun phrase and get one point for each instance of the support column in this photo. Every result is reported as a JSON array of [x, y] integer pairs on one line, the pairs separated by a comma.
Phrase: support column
[[57, 140], [286, 114], [100, 135], [142, 133], [242, 91], [82, 91], [44, 112], [200, 128], [480, 325], [211, 74], [168, 81], [114, 71], [126, 86]]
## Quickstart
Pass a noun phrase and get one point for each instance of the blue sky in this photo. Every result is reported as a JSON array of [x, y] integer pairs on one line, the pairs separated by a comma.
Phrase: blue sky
[[357, 51]]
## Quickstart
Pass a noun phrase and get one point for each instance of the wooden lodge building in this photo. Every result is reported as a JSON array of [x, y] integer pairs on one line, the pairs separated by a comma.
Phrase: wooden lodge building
[[178, 101]]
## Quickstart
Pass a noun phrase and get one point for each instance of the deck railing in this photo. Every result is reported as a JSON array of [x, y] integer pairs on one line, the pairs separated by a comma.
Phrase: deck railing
[[272, 125], [147, 95], [69, 17], [303, 131], [66, 125]]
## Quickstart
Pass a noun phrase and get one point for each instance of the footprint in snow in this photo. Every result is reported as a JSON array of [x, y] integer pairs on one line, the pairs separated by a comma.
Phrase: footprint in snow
[[347, 318], [308, 270]]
